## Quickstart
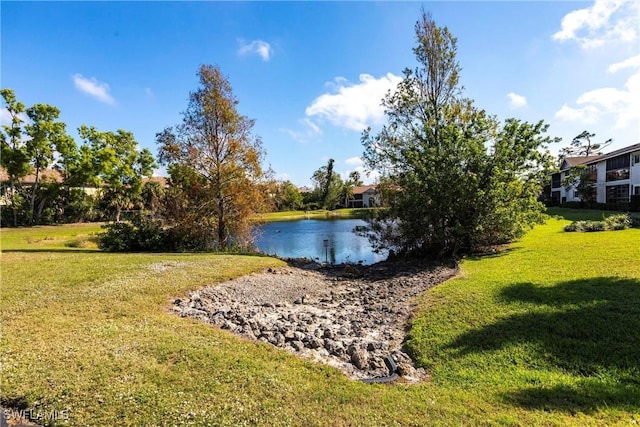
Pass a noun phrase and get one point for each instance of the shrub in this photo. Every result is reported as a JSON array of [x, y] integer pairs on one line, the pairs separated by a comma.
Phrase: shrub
[[613, 222], [618, 222], [142, 234]]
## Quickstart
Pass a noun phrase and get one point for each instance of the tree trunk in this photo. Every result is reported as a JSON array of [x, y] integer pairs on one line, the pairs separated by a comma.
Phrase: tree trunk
[[222, 226], [40, 209], [13, 203], [32, 202]]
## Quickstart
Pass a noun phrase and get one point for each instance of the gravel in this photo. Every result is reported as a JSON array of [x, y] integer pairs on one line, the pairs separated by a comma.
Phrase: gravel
[[349, 317]]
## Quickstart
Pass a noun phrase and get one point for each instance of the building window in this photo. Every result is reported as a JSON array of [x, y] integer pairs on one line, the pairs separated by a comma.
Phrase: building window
[[619, 162], [636, 190], [617, 193], [617, 175], [618, 168], [555, 180], [635, 157]]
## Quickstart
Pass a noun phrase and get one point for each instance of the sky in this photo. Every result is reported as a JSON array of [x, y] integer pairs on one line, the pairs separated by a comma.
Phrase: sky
[[313, 74]]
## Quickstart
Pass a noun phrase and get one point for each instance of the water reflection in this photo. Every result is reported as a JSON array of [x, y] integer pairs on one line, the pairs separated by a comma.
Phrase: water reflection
[[330, 241]]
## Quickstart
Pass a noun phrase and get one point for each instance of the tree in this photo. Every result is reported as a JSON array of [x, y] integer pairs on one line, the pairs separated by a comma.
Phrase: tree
[[327, 186], [44, 134], [13, 154], [355, 179], [582, 179], [346, 192], [287, 196], [117, 164], [459, 180], [581, 146], [214, 162]]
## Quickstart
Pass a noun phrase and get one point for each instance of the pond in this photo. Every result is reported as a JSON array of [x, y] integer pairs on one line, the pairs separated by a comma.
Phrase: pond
[[331, 241]]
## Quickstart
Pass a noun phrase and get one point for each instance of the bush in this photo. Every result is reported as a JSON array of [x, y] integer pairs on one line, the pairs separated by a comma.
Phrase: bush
[[142, 234], [613, 222], [618, 222]]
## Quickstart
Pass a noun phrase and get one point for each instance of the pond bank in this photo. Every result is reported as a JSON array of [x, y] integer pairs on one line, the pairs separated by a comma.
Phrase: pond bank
[[349, 317]]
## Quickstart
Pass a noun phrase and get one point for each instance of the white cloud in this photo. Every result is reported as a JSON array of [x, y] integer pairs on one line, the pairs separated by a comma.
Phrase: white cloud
[[633, 62], [314, 127], [354, 161], [259, 47], [93, 88], [605, 21], [517, 101], [309, 131], [621, 104], [354, 106]]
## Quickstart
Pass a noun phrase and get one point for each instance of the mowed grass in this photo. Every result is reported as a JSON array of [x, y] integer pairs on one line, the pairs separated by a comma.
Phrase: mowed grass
[[351, 213], [544, 333], [551, 326]]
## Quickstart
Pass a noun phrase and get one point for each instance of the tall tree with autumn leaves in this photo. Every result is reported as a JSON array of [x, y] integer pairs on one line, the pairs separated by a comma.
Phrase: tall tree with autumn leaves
[[215, 166]]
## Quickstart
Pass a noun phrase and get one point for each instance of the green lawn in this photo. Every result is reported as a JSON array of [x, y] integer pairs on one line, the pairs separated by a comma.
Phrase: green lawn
[[544, 333], [318, 214]]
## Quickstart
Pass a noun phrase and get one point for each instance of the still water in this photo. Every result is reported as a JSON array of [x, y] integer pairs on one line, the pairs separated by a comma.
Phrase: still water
[[330, 241]]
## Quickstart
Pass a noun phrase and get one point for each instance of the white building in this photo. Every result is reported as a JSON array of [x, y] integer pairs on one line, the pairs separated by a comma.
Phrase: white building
[[364, 196], [616, 176]]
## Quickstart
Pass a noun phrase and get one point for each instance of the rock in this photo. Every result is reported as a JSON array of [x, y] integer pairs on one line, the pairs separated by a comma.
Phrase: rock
[[229, 325], [334, 347], [360, 359], [315, 342], [404, 369], [195, 314], [338, 318], [376, 363], [297, 345]]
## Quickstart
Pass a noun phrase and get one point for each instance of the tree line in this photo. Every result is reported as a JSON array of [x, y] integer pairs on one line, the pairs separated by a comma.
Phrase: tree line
[[36, 141]]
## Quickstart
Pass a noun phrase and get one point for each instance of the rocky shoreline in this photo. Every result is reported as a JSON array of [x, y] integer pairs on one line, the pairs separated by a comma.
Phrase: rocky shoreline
[[349, 317]]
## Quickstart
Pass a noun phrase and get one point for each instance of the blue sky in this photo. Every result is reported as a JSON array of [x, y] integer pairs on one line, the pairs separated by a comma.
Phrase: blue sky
[[312, 73]]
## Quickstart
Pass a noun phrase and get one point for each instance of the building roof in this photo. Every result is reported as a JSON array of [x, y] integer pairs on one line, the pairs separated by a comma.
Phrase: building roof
[[626, 150], [575, 161], [47, 175], [570, 162], [162, 180], [361, 189]]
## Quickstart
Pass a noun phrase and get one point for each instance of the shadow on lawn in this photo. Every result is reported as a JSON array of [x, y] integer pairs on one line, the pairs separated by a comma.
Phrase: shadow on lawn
[[53, 250], [586, 328]]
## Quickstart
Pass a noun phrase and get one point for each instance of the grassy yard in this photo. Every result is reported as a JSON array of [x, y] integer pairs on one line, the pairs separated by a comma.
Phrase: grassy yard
[[318, 214], [544, 333]]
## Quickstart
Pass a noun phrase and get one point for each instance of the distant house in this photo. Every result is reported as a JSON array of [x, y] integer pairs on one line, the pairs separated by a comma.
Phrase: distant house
[[364, 196], [162, 180], [46, 176], [616, 176]]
